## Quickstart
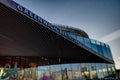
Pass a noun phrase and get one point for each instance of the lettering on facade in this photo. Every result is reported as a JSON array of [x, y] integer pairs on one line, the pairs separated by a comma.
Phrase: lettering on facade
[[32, 15], [44, 22]]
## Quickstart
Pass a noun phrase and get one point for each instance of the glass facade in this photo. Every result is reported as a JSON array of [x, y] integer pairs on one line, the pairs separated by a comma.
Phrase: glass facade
[[72, 71], [99, 47], [77, 71]]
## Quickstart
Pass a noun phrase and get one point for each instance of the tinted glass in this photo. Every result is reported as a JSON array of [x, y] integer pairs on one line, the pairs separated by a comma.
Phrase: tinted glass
[[81, 39], [76, 72], [87, 42], [55, 72], [93, 45], [73, 35], [93, 71], [66, 71], [99, 47], [99, 71]]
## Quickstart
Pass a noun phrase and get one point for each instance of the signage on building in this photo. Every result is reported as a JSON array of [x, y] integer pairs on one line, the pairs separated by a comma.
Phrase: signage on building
[[44, 22], [38, 19]]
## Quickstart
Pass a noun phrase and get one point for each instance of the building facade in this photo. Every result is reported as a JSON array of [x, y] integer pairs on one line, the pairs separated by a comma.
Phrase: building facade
[[35, 49]]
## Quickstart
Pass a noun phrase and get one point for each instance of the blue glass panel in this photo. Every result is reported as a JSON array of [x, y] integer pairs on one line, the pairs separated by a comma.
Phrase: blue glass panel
[[43, 71], [107, 47], [73, 35], [55, 72], [87, 42], [67, 32], [99, 47], [93, 45], [68, 66], [97, 42], [104, 50], [76, 73], [55, 68], [66, 71], [80, 39], [109, 53]]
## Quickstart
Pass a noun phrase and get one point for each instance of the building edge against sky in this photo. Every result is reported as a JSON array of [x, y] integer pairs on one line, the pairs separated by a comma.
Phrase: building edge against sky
[[103, 67]]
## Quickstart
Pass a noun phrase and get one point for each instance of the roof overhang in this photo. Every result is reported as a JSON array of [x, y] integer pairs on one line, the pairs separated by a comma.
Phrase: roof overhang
[[22, 36]]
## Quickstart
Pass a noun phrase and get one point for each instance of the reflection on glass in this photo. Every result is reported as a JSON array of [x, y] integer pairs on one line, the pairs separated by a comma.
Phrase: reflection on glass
[[99, 48], [66, 71], [105, 72], [76, 72], [55, 72], [105, 50], [113, 68], [44, 73], [110, 71], [109, 53], [85, 71], [73, 35], [24, 74], [93, 71], [67, 33], [81, 39], [99, 71], [87, 42], [93, 45]]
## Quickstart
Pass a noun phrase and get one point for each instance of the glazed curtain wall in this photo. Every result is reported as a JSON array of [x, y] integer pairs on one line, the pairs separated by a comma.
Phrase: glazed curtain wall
[[99, 47], [77, 71]]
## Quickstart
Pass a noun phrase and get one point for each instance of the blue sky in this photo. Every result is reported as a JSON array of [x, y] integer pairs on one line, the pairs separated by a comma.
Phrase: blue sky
[[99, 18]]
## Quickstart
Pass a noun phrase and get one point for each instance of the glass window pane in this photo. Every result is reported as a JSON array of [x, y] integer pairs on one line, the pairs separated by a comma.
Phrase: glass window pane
[[104, 50], [99, 48], [105, 72], [87, 42], [80, 39], [66, 71], [43, 68], [99, 71], [44, 72], [85, 71], [73, 35], [93, 71], [109, 53], [113, 69], [76, 72], [93, 45], [67, 33], [55, 72]]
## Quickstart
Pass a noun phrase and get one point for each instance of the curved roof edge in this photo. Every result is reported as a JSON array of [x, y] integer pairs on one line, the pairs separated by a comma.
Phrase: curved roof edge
[[76, 31]]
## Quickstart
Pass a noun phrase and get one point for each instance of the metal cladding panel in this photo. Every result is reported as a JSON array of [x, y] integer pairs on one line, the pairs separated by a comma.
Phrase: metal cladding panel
[[22, 36]]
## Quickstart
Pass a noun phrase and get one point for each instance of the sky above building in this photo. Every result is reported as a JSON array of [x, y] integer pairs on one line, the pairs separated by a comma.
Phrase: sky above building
[[99, 18]]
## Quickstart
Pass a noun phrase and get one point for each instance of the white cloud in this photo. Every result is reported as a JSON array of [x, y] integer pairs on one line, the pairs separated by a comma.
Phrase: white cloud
[[117, 63], [118, 58], [110, 37]]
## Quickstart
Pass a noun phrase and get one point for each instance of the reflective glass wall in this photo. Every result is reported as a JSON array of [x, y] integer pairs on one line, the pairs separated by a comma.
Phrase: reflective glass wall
[[99, 47], [77, 71]]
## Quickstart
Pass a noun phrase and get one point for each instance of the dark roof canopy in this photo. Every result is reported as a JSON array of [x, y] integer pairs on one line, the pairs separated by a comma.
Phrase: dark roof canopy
[[21, 36]]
